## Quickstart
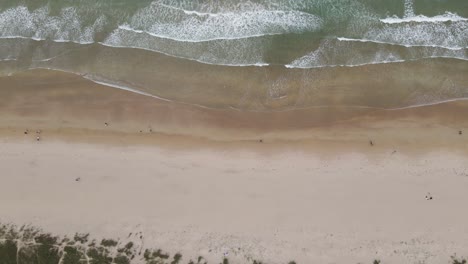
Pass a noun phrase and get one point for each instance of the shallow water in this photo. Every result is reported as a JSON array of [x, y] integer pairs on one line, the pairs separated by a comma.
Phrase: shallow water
[[249, 55]]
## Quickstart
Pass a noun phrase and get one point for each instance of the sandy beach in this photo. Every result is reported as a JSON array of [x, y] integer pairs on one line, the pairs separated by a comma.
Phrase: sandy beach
[[233, 132], [347, 187]]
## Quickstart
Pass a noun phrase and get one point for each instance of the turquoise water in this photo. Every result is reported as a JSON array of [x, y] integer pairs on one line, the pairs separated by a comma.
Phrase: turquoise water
[[312, 33], [299, 34]]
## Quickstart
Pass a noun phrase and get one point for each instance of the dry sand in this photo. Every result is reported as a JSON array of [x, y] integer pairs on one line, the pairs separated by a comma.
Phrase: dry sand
[[291, 205], [314, 191]]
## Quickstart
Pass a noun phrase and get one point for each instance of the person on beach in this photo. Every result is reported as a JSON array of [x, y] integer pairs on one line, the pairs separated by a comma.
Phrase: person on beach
[[428, 196]]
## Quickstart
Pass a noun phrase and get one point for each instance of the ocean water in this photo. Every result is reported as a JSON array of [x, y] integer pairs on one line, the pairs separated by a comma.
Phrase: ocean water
[[259, 55]]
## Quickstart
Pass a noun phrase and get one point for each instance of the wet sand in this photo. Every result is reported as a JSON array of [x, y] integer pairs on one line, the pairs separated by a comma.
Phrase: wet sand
[[270, 88], [323, 185], [56, 101]]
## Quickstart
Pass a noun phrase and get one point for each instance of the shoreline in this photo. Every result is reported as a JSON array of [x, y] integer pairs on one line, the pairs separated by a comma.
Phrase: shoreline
[[271, 88], [69, 107], [233, 132], [315, 186]]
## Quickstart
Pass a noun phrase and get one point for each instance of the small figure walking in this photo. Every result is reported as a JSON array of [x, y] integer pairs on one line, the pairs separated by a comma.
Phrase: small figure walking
[[428, 196]]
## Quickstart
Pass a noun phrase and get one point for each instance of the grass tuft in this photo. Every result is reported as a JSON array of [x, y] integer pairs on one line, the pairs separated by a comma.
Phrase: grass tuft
[[72, 255], [8, 252], [456, 260], [177, 258], [121, 259], [109, 243], [82, 238]]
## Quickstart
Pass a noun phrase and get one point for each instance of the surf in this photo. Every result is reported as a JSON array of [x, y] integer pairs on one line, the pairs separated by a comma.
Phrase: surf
[[447, 17]]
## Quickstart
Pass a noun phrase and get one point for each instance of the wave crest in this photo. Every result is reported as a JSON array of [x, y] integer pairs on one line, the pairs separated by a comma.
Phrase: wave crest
[[334, 52], [182, 25], [39, 24], [447, 17]]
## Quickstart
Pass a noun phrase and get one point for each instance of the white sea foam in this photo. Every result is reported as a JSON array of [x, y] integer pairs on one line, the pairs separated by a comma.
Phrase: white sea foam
[[174, 23], [410, 16], [391, 43], [188, 12], [214, 54], [240, 52], [238, 33], [453, 35], [128, 28], [409, 9], [420, 30], [333, 53], [424, 19], [228, 37], [44, 39], [39, 24]]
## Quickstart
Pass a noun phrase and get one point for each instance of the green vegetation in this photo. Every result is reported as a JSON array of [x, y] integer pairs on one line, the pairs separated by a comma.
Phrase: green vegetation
[[27, 245], [456, 260], [99, 255], [121, 259], [26, 255], [8, 232], [29, 233], [46, 239], [109, 243], [158, 257], [129, 245], [47, 254], [92, 243], [72, 255], [177, 258], [8, 252], [43, 249], [199, 261], [82, 238]]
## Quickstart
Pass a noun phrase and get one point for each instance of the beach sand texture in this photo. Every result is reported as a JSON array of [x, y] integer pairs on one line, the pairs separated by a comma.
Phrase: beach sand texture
[[195, 183], [233, 132]]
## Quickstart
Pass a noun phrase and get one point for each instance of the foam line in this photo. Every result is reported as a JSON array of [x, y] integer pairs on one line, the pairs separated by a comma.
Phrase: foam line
[[396, 44], [447, 17], [128, 28]]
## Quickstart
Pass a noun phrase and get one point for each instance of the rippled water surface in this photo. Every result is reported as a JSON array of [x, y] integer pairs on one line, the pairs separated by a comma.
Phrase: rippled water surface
[[258, 51]]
